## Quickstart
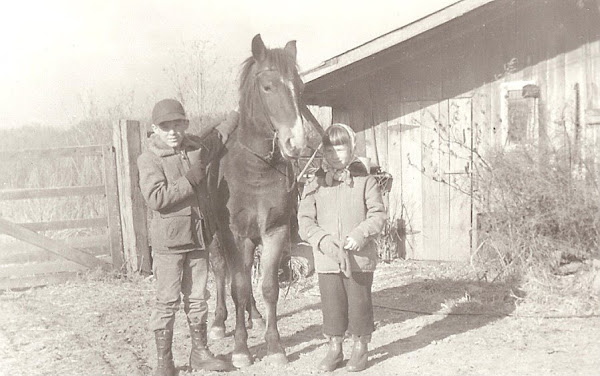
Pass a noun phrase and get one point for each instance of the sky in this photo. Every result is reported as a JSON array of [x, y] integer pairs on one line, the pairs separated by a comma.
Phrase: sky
[[59, 55]]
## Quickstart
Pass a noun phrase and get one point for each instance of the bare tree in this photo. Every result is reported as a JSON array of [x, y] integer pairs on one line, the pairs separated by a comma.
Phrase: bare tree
[[202, 81]]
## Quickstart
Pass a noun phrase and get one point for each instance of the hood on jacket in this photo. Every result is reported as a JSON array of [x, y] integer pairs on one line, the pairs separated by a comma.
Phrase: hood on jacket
[[158, 147]]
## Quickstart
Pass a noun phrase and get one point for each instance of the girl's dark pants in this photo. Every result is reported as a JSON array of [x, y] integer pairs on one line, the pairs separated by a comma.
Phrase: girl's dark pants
[[346, 303]]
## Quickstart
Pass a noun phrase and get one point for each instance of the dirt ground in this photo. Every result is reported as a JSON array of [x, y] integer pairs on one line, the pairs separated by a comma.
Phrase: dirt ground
[[431, 319]]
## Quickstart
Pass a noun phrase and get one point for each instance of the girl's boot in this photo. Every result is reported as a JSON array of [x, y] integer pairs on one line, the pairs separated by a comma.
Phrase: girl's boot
[[164, 366], [334, 356], [360, 352]]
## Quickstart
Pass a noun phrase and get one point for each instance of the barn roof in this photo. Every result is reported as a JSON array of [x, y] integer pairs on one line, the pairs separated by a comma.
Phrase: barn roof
[[391, 47]]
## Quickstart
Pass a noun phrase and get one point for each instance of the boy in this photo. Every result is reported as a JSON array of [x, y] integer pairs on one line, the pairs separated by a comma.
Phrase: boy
[[173, 183]]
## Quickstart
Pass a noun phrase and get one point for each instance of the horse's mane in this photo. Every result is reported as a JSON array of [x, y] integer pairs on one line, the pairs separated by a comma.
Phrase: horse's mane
[[276, 59]]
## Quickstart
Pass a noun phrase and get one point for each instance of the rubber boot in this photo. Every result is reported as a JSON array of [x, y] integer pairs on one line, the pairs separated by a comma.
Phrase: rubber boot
[[164, 366], [360, 352], [200, 357], [334, 356]]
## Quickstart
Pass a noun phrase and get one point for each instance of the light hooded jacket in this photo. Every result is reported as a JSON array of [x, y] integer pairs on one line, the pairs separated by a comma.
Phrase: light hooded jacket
[[183, 217], [343, 210]]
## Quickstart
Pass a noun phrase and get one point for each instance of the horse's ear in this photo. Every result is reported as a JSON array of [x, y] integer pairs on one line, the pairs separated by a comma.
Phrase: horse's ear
[[259, 51], [290, 47]]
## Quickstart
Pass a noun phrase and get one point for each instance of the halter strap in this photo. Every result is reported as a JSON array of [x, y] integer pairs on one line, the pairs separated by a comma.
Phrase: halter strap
[[268, 159], [290, 183]]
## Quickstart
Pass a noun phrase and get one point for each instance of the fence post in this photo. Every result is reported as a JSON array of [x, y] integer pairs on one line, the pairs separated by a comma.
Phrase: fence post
[[112, 205], [126, 140]]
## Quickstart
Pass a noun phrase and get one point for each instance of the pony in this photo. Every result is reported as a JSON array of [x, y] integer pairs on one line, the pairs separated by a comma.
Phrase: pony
[[255, 193]]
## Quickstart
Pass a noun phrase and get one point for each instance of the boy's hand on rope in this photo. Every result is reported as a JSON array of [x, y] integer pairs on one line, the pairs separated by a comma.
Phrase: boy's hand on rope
[[196, 174]]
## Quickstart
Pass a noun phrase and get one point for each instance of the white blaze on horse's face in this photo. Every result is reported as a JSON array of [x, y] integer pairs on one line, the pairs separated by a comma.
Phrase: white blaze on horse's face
[[280, 93], [280, 98]]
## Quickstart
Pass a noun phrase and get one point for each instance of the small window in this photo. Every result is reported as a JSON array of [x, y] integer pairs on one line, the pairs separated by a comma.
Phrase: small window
[[519, 113]]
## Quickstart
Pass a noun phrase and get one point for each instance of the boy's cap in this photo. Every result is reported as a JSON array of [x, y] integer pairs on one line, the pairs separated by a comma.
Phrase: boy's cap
[[167, 110]]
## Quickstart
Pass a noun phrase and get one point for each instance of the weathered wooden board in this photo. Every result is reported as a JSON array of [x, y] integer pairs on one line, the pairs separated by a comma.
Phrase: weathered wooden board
[[126, 140], [112, 206], [66, 224], [29, 193], [430, 168], [54, 246], [459, 176], [73, 151], [412, 199]]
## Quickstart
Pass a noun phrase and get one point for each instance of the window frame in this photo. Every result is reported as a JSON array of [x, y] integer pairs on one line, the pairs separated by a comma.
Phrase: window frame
[[532, 131]]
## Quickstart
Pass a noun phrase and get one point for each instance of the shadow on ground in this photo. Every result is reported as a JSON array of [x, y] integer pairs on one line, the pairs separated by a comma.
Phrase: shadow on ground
[[413, 316]]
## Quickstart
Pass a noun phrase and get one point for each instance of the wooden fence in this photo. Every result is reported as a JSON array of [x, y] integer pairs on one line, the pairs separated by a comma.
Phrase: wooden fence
[[122, 245]]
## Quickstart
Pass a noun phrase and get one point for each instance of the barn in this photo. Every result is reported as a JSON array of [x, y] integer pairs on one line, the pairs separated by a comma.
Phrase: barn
[[426, 98]]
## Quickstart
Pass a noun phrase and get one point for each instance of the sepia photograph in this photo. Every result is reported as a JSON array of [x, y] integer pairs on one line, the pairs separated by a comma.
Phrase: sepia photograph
[[300, 188]]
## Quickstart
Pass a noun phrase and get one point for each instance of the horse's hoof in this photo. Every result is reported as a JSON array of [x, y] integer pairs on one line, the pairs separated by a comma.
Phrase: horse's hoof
[[258, 324], [277, 359], [216, 332], [241, 360]]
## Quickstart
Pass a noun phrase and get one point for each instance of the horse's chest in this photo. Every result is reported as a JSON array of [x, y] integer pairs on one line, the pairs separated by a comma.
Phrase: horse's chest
[[253, 215], [257, 198]]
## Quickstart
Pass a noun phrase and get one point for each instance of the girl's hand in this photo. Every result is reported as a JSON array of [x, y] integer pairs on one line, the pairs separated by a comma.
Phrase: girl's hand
[[351, 244]]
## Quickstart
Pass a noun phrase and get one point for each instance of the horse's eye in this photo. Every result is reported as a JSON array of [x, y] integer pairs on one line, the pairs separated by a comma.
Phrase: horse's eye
[[267, 88]]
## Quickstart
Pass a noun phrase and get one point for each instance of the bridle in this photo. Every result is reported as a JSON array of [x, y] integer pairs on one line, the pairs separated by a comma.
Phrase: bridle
[[270, 156]]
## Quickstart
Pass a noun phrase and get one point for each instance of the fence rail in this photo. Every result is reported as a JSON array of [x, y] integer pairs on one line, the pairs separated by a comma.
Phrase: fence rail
[[66, 224], [70, 151], [54, 246], [29, 193]]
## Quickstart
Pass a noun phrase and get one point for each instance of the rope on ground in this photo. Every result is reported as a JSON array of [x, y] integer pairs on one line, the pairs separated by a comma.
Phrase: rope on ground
[[486, 314]]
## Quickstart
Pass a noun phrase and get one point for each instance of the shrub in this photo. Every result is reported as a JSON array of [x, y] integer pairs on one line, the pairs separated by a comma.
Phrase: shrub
[[537, 214]]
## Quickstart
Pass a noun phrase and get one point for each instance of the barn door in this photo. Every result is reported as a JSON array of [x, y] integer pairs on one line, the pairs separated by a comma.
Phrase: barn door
[[456, 145], [429, 146]]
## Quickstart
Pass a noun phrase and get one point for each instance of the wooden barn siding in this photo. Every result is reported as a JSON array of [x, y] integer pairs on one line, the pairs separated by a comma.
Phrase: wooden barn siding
[[553, 48]]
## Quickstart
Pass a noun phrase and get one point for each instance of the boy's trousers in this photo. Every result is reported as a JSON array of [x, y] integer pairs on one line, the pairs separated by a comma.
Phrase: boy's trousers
[[346, 303], [180, 274]]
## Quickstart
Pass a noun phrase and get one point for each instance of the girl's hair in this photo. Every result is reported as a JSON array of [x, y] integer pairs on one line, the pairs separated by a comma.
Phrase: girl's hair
[[335, 135]]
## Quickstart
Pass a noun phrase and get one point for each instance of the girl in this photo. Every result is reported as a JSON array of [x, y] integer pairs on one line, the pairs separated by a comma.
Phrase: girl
[[340, 213]]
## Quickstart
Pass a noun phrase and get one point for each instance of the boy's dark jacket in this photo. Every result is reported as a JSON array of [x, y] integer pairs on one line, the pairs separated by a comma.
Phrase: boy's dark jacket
[[179, 210], [342, 210]]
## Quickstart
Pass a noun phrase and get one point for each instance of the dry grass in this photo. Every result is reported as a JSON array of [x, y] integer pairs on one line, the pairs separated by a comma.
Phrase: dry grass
[[541, 228], [564, 296]]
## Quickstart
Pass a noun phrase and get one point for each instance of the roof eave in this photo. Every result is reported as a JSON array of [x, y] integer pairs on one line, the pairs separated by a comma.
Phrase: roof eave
[[392, 38]]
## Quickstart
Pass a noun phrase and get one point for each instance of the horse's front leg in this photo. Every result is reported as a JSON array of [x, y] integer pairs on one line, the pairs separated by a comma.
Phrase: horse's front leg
[[219, 267], [241, 289], [274, 244], [255, 319]]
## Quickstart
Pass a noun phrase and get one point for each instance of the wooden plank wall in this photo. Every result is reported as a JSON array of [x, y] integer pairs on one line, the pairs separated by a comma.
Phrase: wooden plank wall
[[557, 46]]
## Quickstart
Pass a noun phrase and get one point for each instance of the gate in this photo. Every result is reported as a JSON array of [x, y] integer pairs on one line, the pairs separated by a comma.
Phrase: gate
[[114, 221], [102, 249]]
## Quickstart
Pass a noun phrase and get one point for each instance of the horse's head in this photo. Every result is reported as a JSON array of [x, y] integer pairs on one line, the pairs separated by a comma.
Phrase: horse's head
[[270, 89]]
